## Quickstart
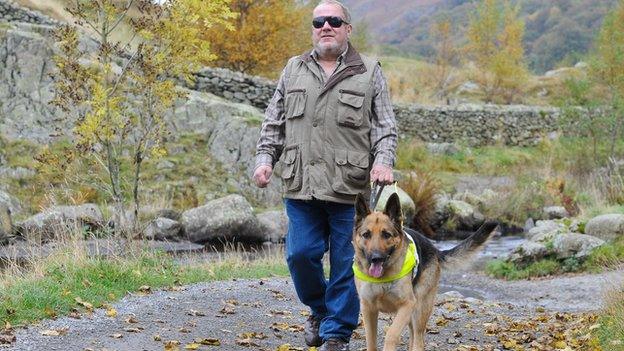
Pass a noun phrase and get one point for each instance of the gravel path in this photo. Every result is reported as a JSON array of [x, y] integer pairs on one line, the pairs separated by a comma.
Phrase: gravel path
[[270, 314]]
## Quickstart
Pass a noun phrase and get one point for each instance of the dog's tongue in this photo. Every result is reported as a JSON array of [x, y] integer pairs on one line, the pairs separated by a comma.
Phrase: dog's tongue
[[375, 270]]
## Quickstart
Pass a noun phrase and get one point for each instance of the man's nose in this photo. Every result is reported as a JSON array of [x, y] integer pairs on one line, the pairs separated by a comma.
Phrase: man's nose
[[326, 26]]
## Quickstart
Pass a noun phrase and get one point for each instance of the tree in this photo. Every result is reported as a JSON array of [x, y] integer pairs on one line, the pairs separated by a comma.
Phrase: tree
[[495, 47], [267, 33], [120, 95], [607, 70], [361, 37], [445, 55]]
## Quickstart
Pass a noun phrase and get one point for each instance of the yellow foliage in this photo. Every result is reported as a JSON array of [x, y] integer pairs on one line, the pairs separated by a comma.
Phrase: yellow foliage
[[266, 34], [495, 47]]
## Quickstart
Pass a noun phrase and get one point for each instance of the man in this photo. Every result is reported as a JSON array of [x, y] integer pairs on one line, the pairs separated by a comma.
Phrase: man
[[328, 122]]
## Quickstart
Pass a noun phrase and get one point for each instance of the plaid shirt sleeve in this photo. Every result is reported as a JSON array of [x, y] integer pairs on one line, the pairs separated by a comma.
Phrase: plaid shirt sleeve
[[383, 124], [271, 141]]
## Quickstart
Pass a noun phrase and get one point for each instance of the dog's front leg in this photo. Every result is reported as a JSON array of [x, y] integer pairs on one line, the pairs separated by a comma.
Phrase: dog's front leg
[[369, 317], [402, 318]]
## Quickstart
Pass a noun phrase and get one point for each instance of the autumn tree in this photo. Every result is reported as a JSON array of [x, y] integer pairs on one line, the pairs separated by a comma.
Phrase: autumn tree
[[601, 92], [121, 92], [495, 47], [267, 33], [443, 70]]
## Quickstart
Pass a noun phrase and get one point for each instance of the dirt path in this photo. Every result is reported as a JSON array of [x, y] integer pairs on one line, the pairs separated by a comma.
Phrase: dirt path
[[269, 308]]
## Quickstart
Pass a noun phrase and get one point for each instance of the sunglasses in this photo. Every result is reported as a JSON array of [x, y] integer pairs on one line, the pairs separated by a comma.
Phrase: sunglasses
[[334, 21]]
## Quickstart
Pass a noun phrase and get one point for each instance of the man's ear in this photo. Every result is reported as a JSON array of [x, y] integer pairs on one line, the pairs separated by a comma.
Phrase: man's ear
[[361, 208], [393, 209]]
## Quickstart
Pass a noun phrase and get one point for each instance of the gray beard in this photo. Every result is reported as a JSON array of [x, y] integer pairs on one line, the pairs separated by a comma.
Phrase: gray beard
[[330, 51]]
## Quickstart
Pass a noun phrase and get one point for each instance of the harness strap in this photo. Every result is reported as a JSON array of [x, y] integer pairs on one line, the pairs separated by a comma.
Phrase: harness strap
[[410, 265]]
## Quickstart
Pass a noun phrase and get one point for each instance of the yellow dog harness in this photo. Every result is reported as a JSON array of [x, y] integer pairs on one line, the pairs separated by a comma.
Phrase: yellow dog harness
[[409, 265]]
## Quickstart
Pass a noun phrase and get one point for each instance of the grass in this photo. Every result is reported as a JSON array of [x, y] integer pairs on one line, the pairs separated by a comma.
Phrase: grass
[[608, 256], [60, 283], [610, 332]]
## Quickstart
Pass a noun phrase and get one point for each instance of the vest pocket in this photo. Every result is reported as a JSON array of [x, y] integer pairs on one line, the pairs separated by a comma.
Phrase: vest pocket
[[289, 168], [350, 112], [352, 172], [295, 103]]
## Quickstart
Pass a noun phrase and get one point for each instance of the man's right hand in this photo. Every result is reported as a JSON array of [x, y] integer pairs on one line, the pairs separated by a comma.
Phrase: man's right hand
[[262, 175]]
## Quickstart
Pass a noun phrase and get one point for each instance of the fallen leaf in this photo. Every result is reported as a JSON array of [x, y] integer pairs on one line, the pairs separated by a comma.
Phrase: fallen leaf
[[111, 312], [116, 336], [172, 345], [146, 289], [7, 339], [157, 337], [209, 341], [196, 313], [84, 304], [192, 346], [133, 330], [55, 332], [131, 320], [184, 330]]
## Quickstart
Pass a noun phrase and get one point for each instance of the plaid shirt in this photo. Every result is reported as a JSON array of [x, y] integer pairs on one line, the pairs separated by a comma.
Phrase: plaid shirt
[[383, 133]]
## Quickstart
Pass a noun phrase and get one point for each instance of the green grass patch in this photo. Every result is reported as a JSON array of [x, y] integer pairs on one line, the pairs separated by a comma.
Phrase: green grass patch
[[604, 257], [610, 332], [511, 271], [99, 281]]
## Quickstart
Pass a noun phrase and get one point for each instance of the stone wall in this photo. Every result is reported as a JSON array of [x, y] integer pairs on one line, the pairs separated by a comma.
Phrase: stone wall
[[11, 12], [470, 124]]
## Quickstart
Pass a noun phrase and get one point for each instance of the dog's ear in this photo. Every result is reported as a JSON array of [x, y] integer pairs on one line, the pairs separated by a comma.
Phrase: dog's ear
[[393, 209], [361, 208]]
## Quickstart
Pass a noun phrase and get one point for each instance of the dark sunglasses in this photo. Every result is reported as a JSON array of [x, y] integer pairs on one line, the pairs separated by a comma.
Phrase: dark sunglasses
[[334, 21]]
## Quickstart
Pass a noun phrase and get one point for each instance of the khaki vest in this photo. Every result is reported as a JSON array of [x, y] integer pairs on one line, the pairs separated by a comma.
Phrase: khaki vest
[[327, 152]]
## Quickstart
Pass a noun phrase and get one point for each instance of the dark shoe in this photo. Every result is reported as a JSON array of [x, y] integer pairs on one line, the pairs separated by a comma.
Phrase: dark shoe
[[311, 332], [333, 344]]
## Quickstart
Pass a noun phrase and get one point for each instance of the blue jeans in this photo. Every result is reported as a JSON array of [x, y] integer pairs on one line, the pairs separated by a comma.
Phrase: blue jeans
[[315, 227]]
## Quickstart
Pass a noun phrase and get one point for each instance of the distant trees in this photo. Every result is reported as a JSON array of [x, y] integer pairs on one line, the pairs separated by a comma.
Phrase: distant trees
[[495, 47], [120, 94], [266, 33]]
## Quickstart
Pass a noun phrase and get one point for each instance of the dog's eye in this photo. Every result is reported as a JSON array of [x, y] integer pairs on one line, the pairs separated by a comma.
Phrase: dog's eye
[[366, 235], [386, 235]]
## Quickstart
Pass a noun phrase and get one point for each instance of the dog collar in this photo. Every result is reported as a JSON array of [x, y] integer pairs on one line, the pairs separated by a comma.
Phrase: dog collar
[[410, 262]]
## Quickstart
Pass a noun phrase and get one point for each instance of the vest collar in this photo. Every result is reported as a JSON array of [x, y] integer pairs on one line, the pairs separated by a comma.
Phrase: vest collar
[[409, 265], [351, 57]]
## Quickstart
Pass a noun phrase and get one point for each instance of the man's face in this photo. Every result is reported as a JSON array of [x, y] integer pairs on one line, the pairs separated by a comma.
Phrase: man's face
[[328, 41]]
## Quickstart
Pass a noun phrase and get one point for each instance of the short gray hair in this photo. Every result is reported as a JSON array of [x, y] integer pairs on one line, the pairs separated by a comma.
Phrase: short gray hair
[[345, 10]]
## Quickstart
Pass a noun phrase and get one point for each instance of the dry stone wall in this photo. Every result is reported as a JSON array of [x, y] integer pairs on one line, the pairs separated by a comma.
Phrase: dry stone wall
[[11, 12], [470, 124]]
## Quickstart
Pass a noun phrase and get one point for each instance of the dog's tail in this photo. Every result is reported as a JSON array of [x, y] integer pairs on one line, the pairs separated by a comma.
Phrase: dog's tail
[[461, 253]]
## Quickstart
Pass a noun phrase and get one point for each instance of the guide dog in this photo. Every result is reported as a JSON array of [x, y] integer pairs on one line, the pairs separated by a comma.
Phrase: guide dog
[[385, 284]]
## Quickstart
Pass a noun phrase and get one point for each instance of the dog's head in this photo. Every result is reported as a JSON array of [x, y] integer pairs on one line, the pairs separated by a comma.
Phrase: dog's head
[[377, 236]]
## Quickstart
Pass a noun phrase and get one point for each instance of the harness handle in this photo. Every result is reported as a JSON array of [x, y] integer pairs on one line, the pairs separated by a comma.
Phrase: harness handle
[[376, 191]]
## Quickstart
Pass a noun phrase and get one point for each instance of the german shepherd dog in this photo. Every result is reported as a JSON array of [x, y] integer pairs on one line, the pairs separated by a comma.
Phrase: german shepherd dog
[[381, 246]]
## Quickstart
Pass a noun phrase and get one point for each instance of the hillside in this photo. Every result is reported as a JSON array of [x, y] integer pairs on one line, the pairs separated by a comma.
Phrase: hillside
[[556, 31]]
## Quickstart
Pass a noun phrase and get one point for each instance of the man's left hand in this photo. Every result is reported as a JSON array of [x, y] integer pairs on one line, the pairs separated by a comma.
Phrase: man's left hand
[[381, 174]]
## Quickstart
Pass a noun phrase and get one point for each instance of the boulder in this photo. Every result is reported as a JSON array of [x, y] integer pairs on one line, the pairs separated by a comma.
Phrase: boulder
[[442, 148], [465, 215], [163, 229], [60, 220], [6, 225], [528, 252], [542, 228], [408, 207], [229, 218], [606, 227], [10, 202], [575, 245], [275, 224], [555, 212]]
